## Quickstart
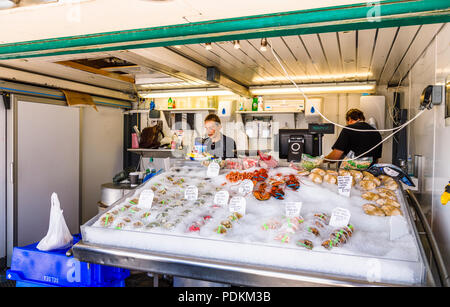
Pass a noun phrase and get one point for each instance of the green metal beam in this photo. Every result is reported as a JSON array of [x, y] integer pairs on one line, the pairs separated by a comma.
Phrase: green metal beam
[[331, 19]]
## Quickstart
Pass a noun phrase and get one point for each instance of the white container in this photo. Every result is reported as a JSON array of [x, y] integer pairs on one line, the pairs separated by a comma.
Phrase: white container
[[225, 108], [374, 109], [251, 129], [313, 102]]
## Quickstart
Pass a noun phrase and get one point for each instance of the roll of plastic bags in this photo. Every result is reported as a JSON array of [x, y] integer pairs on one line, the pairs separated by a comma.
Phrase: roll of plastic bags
[[58, 235]]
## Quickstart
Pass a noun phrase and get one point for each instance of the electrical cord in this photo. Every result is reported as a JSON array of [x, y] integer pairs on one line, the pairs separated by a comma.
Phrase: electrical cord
[[396, 129]]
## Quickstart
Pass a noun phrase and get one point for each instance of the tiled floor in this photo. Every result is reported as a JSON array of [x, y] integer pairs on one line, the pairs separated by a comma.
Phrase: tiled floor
[[4, 283]]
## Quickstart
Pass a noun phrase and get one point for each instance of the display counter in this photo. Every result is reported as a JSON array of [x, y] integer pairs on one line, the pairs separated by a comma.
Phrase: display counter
[[263, 245]]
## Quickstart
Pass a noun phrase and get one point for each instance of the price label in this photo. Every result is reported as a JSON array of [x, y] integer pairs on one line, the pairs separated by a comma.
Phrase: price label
[[238, 204], [191, 193], [146, 199], [340, 217], [293, 209], [398, 227], [345, 185], [246, 187], [221, 198], [213, 170]]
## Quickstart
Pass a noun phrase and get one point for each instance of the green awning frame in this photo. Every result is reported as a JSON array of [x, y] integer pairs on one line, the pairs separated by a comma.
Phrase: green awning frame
[[375, 14]]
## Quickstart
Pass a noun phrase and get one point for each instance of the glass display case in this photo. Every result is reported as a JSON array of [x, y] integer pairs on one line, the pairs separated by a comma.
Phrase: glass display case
[[189, 229]]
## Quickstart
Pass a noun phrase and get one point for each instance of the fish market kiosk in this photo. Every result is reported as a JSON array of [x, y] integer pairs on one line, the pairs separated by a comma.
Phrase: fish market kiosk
[[131, 105], [259, 222]]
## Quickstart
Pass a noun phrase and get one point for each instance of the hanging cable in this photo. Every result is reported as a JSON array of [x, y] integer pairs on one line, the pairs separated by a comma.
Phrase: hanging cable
[[313, 110]]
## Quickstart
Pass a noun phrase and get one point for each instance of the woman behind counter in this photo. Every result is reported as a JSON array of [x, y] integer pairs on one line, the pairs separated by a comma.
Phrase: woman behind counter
[[216, 143]]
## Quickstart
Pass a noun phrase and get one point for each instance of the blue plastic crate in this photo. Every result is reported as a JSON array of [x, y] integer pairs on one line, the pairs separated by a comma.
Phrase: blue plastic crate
[[32, 267]]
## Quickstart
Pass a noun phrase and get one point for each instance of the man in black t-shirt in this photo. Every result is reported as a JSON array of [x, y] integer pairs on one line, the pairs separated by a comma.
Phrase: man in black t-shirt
[[357, 141]]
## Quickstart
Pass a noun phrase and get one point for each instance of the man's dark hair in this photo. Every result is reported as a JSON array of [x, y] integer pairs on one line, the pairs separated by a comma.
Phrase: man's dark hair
[[354, 114], [213, 117]]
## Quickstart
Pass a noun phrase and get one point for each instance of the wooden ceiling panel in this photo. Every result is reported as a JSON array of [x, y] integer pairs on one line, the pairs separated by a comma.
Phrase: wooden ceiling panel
[[303, 58], [366, 44], [347, 42], [421, 42], [405, 37], [213, 58], [314, 49], [332, 52], [383, 44]]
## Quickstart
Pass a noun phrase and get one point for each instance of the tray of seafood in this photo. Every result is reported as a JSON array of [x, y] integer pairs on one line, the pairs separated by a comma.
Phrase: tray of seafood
[[279, 217]]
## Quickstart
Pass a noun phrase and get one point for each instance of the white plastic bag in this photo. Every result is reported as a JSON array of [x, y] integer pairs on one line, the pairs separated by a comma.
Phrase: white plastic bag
[[58, 235]]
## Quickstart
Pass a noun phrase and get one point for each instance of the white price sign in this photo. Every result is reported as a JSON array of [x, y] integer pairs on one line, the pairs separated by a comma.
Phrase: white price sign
[[213, 170], [345, 185], [221, 198], [146, 199], [191, 193], [246, 187], [238, 204], [340, 217], [293, 209]]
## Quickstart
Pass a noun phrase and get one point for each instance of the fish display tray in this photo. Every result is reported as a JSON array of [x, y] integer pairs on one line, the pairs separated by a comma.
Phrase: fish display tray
[[370, 255]]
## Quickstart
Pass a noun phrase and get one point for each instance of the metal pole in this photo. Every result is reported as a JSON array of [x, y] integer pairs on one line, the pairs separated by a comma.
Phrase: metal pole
[[443, 274]]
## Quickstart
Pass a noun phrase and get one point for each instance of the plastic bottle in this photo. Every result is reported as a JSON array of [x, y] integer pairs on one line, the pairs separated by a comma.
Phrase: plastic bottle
[[170, 103], [260, 104], [255, 104], [410, 166], [241, 105]]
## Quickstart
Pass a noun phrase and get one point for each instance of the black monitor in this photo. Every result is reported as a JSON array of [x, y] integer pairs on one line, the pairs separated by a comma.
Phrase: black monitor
[[312, 142]]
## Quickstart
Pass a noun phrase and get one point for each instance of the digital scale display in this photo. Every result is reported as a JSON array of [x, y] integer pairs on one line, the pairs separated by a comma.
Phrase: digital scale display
[[321, 128]]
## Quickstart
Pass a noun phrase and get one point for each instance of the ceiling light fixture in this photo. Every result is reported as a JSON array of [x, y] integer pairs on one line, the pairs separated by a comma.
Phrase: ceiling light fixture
[[315, 77], [314, 89], [236, 44], [263, 47], [185, 93], [208, 46]]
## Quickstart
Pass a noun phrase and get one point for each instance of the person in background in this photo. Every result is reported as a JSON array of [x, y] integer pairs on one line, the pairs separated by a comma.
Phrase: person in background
[[216, 143], [357, 141]]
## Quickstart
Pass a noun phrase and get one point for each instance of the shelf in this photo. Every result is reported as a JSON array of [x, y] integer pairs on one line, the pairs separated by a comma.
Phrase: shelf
[[152, 153], [136, 111], [187, 110], [268, 112], [171, 110]]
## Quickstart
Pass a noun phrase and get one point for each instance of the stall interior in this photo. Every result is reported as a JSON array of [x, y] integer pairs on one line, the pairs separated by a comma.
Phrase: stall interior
[[266, 92]]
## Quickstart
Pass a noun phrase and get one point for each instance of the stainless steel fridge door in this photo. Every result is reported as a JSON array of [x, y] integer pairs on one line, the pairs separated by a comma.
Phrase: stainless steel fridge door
[[45, 157]]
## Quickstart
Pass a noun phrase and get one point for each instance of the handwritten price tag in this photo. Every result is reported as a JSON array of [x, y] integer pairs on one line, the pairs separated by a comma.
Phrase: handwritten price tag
[[293, 209], [345, 185], [246, 187], [340, 217], [238, 204], [213, 170], [146, 199], [191, 193], [221, 198]]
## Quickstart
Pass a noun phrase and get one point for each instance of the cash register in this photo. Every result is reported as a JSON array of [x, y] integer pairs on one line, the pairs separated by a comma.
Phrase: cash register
[[295, 142]]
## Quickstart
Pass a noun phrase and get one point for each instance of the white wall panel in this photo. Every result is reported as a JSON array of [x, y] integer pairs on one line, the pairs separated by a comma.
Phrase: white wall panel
[[101, 154]]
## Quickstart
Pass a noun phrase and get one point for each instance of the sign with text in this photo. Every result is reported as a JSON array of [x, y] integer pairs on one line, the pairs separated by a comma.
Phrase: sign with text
[[238, 204], [345, 185], [146, 199], [340, 217], [191, 193]]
